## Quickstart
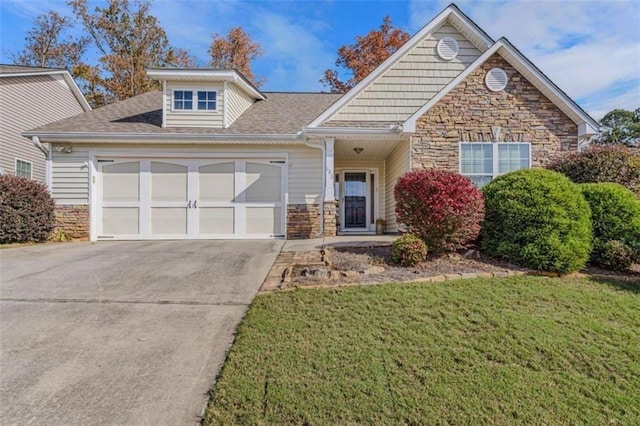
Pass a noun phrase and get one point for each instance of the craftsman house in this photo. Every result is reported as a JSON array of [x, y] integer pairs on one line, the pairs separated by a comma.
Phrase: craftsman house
[[211, 156]]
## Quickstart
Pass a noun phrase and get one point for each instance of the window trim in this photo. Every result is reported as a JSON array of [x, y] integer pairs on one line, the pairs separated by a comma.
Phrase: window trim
[[494, 156], [194, 99], [15, 168]]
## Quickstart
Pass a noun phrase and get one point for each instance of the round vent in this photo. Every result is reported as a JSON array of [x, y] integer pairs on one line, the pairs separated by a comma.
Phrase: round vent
[[448, 48], [496, 79]]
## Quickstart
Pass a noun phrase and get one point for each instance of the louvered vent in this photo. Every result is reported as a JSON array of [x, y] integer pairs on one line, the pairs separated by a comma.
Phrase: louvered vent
[[448, 48], [496, 79]]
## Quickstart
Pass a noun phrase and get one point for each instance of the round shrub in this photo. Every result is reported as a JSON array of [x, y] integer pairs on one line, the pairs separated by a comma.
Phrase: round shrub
[[615, 216], [537, 218], [607, 163], [408, 250], [26, 210], [614, 255], [442, 208]]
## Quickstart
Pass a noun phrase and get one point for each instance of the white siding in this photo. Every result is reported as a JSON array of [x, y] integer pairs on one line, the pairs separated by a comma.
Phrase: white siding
[[71, 175], [26, 103], [237, 103], [396, 164], [194, 118], [411, 81], [367, 164]]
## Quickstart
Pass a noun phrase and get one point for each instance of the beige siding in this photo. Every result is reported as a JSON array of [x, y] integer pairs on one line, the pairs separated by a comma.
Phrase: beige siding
[[237, 103], [396, 164], [71, 176], [410, 82], [367, 164], [26, 103], [194, 118]]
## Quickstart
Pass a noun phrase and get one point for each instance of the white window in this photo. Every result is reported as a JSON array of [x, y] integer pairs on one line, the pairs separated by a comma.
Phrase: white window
[[182, 99], [206, 100], [23, 169], [484, 161]]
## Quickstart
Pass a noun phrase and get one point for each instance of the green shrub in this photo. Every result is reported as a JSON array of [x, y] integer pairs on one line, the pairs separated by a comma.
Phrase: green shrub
[[537, 218], [607, 163], [408, 250], [614, 255], [26, 210], [615, 216]]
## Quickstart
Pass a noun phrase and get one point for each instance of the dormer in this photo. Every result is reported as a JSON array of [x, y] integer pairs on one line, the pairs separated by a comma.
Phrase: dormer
[[211, 98]]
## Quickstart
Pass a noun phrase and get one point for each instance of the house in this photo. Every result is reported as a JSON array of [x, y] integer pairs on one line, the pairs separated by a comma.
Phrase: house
[[210, 156], [31, 97]]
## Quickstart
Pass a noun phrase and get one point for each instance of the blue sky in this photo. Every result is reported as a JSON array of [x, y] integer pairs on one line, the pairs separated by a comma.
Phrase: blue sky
[[591, 49]]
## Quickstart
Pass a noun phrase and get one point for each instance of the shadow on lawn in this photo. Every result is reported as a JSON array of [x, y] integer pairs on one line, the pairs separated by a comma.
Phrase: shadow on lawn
[[632, 285]]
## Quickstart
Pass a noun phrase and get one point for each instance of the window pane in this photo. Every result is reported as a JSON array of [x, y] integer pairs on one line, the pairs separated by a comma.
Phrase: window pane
[[476, 158], [480, 181], [512, 156], [23, 169], [179, 95], [202, 96], [188, 95], [202, 105], [188, 104]]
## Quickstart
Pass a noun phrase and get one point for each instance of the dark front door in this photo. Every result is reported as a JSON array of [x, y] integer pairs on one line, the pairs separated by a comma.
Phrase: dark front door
[[355, 200]]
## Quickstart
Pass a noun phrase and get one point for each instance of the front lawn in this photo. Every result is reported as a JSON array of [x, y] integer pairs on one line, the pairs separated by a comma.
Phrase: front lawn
[[528, 350]]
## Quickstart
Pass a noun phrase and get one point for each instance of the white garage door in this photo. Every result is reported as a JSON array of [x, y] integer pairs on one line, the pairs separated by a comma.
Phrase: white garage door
[[186, 198]]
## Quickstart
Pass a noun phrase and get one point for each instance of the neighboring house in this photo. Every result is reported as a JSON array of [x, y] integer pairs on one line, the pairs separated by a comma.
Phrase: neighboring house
[[210, 156], [31, 97]]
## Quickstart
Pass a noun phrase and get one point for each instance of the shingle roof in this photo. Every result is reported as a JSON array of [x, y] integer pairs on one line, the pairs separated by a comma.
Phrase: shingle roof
[[19, 69], [279, 114]]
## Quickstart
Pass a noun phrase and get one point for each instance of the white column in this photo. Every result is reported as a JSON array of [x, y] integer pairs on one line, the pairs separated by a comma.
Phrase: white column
[[329, 169]]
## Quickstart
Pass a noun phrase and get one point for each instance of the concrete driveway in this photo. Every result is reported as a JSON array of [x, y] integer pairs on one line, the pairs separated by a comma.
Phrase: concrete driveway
[[120, 332]]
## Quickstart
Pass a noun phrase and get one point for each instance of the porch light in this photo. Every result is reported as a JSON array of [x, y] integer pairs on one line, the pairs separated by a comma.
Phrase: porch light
[[358, 150]]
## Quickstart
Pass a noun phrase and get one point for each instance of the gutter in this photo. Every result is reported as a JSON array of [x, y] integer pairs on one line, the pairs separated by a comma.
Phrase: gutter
[[391, 130], [173, 137]]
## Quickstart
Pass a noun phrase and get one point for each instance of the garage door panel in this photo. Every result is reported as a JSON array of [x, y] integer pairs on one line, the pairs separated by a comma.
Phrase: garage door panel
[[168, 221], [121, 182], [169, 182], [264, 182], [217, 182], [120, 220], [263, 220], [216, 220]]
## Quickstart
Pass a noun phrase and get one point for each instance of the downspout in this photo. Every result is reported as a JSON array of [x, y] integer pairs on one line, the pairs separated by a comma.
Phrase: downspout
[[47, 153], [320, 146]]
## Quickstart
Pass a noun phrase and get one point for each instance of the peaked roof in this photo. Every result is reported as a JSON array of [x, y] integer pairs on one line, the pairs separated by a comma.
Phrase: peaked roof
[[141, 117], [451, 14], [586, 124], [25, 71]]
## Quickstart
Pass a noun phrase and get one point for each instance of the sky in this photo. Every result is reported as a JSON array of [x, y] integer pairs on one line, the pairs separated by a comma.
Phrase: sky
[[590, 49]]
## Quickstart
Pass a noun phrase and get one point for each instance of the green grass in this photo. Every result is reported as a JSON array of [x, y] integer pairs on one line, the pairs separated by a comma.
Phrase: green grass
[[528, 350]]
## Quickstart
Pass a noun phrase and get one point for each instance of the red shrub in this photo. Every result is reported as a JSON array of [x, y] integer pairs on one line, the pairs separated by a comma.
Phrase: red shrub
[[26, 210], [443, 208]]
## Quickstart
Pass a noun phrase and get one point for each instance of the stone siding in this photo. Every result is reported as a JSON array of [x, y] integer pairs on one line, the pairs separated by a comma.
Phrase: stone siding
[[303, 221], [468, 112], [73, 221], [330, 222]]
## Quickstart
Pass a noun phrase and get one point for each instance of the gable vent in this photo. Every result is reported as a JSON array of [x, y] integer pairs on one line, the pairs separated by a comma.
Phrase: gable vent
[[496, 79], [448, 48]]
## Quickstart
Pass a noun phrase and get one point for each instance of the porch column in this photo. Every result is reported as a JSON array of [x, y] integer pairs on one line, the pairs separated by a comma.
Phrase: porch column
[[329, 204]]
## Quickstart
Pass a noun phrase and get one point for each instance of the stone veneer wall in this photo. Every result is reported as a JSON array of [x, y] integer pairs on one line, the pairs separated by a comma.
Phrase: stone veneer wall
[[467, 113], [73, 221], [330, 222], [303, 221]]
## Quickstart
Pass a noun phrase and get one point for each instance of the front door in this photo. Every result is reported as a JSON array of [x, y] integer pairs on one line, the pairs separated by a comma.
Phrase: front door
[[355, 200]]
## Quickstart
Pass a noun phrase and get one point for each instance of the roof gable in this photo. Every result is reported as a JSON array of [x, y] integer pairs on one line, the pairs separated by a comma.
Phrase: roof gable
[[451, 19], [586, 124]]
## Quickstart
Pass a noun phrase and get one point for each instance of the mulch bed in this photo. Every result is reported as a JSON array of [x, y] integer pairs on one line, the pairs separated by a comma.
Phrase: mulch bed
[[462, 262]]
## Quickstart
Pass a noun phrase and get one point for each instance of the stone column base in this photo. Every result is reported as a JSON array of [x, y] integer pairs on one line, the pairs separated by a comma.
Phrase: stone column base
[[330, 222], [303, 221], [73, 220]]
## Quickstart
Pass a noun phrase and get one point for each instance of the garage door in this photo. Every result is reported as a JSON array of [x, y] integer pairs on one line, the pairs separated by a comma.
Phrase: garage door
[[185, 198]]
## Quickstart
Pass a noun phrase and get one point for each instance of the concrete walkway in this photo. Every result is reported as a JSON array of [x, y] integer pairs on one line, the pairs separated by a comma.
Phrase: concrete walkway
[[120, 332], [339, 241]]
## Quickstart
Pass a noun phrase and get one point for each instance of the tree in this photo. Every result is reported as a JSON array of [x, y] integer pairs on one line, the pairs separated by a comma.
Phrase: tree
[[365, 55], [237, 51], [129, 39], [620, 127], [46, 47]]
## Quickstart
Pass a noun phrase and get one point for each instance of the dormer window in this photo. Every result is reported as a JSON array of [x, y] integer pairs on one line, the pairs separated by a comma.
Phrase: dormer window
[[206, 100], [182, 99]]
